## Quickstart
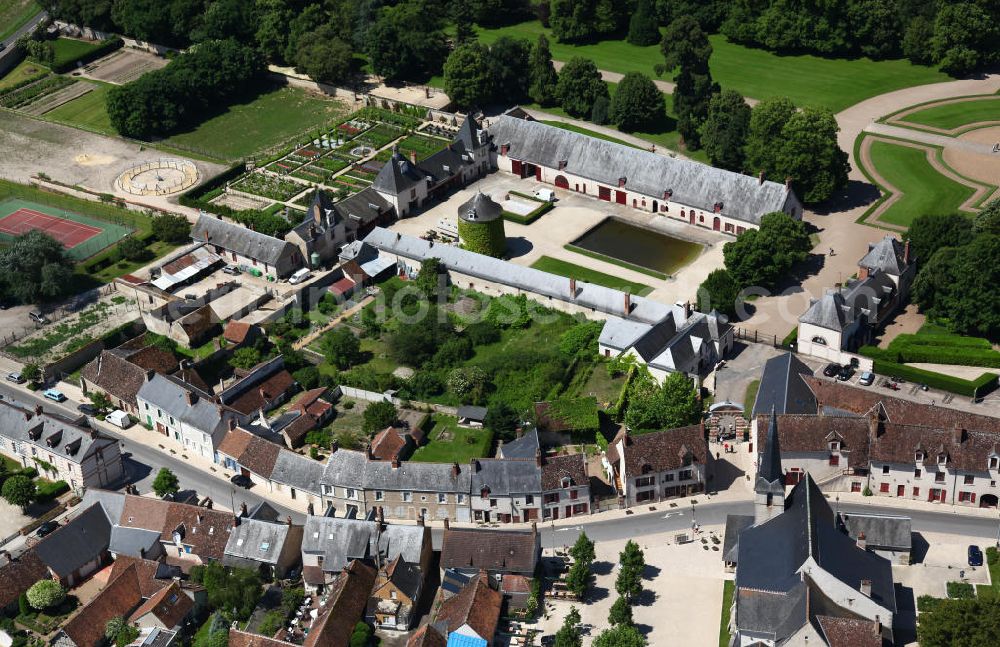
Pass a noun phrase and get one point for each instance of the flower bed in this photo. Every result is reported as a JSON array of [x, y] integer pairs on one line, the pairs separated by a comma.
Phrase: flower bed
[[268, 186]]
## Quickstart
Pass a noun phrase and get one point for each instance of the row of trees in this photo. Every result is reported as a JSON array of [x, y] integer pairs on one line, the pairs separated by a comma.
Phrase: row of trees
[[159, 102]]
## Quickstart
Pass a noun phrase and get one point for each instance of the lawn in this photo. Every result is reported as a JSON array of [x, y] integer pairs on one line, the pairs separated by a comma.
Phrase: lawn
[[757, 73], [589, 133], [728, 587], [923, 189], [157, 249], [602, 386], [14, 13], [267, 119], [70, 49], [87, 112], [564, 268], [960, 113], [462, 446], [24, 70], [749, 398]]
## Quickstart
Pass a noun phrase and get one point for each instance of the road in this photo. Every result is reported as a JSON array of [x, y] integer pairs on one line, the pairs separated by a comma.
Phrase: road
[[25, 28]]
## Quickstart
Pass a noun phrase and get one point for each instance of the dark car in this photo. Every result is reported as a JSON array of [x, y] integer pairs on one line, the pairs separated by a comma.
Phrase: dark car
[[845, 373], [241, 480], [832, 369], [548, 641], [975, 556], [87, 409], [50, 527]]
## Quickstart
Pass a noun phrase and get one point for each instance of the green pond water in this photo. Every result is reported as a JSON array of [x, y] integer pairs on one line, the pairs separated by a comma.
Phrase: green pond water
[[639, 246]]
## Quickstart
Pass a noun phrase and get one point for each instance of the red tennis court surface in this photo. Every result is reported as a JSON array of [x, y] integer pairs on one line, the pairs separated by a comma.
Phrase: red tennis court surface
[[67, 232]]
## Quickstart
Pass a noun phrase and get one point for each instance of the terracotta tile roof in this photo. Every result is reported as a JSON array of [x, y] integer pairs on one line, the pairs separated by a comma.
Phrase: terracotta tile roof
[[235, 442], [192, 377], [169, 605], [802, 433], [342, 286], [250, 451], [153, 358], [239, 638], [966, 450], [313, 575], [493, 550], [849, 632], [257, 397], [345, 606], [556, 468], [515, 584], [236, 331], [120, 376], [198, 322], [476, 605], [427, 636], [145, 569], [296, 432], [18, 576], [861, 401], [387, 444], [661, 450], [118, 598], [206, 531], [314, 402]]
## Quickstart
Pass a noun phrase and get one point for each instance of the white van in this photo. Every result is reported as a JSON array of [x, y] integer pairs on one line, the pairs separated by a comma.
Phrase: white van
[[546, 195], [300, 276], [119, 419]]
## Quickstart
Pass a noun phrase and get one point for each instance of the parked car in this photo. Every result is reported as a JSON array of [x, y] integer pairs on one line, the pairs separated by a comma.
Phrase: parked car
[[548, 640], [832, 369], [46, 529], [38, 318], [119, 419], [300, 276], [53, 394], [975, 556], [231, 270], [15, 378], [867, 378], [845, 373], [546, 195], [87, 409], [241, 480]]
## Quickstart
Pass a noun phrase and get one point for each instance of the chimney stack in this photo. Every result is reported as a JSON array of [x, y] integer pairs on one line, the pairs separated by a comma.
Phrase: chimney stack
[[958, 435], [189, 397], [38, 409], [788, 183], [232, 424], [413, 157], [628, 303], [572, 288], [395, 463], [243, 509], [760, 178], [906, 252], [538, 457], [310, 510], [205, 234], [288, 520], [454, 470], [534, 527], [687, 310], [447, 524], [380, 515], [878, 625], [866, 588], [209, 503], [862, 541]]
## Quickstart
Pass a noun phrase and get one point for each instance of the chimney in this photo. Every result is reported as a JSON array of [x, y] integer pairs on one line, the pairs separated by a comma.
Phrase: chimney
[[380, 515], [232, 424], [454, 470], [503, 149], [621, 182], [906, 252], [189, 397], [788, 183], [760, 178], [878, 625], [200, 518], [534, 527], [958, 435], [538, 457], [862, 541], [866, 588], [687, 310], [628, 303], [572, 288], [395, 463], [243, 509], [205, 234], [209, 503], [142, 553], [288, 520], [413, 156], [236, 520], [447, 524]]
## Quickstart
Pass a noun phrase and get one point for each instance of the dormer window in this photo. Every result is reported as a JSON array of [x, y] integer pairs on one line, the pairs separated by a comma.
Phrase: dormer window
[[918, 456], [942, 459], [994, 462], [566, 482], [834, 445]]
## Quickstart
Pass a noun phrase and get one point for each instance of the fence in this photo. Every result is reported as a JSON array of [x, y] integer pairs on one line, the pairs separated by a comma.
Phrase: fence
[[71, 306], [757, 337], [372, 396]]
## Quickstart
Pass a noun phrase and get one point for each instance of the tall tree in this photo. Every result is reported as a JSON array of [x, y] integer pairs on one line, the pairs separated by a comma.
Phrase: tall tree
[[462, 18], [766, 122], [508, 59], [580, 85], [468, 79], [970, 301], [810, 155], [965, 37], [323, 56], [406, 41], [621, 612], [720, 291], [165, 483], [583, 549], [569, 634], [637, 103], [620, 636], [586, 20], [643, 29], [35, 267], [672, 404], [762, 256], [686, 48], [725, 130], [341, 347], [542, 74], [929, 233], [988, 219], [960, 623]]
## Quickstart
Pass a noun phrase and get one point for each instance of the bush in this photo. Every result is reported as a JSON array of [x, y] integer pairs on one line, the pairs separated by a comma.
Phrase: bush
[[949, 383], [937, 349], [961, 590], [45, 594], [50, 490]]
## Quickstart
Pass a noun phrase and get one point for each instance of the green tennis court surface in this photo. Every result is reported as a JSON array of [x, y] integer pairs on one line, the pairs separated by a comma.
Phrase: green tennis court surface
[[83, 236]]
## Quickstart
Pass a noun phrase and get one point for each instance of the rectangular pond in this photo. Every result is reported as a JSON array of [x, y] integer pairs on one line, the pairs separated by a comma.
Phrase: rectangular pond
[[626, 244]]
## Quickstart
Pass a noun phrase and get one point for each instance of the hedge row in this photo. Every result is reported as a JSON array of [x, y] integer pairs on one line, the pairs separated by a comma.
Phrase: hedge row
[[24, 82], [905, 352], [48, 490], [977, 387], [943, 340], [104, 48], [531, 217]]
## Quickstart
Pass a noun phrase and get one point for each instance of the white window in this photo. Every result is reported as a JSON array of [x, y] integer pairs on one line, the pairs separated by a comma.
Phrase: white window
[[942, 459], [461, 498], [442, 498], [379, 495], [407, 496], [994, 462], [351, 493]]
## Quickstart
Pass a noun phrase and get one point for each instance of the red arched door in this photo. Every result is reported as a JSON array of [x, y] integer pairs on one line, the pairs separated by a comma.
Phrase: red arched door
[[562, 182], [716, 223]]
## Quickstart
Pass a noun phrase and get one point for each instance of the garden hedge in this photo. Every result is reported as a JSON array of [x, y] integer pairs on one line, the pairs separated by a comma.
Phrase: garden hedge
[[978, 387], [48, 490], [104, 48], [24, 82], [909, 349]]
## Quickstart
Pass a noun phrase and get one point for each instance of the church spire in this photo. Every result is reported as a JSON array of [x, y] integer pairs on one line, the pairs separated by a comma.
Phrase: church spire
[[769, 469]]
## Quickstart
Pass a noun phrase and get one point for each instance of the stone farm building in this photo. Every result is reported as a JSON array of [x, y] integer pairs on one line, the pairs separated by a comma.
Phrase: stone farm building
[[677, 189]]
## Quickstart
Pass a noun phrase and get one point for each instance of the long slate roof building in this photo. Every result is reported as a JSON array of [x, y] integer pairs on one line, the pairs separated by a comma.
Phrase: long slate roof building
[[242, 245]]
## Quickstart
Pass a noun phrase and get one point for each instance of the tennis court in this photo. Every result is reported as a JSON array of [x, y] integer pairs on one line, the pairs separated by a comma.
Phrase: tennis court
[[82, 236]]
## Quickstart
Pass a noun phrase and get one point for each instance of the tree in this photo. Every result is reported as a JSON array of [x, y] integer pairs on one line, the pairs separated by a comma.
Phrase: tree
[[642, 27], [725, 130], [586, 20], [415, 344], [601, 110], [583, 549], [988, 219], [32, 373], [323, 56], [621, 612], [378, 416], [685, 47], [620, 636], [631, 565], [637, 103], [234, 591], [970, 301], [929, 233], [307, 377], [468, 383], [462, 18], [508, 59], [171, 228], [119, 632], [100, 400], [579, 86], [432, 278], [965, 37], [131, 248], [542, 74], [341, 348], [578, 579], [406, 41], [760, 257], [35, 267], [766, 122], [632, 556], [810, 155], [569, 634], [959, 623], [719, 291], [45, 594], [581, 339], [165, 483], [468, 79], [361, 636], [502, 420], [674, 404], [245, 358], [18, 490]]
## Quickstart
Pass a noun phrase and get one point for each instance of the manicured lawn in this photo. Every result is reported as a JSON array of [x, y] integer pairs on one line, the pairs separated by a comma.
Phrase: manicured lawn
[[728, 587], [807, 80], [924, 189], [564, 268], [256, 124], [589, 133], [953, 115], [463, 444], [87, 112], [24, 70], [750, 397], [68, 49], [14, 13]]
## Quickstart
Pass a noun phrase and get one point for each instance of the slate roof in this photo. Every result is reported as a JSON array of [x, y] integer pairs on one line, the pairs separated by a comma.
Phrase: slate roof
[[660, 450], [18, 575], [470, 134], [556, 468], [260, 541], [50, 434], [885, 255], [838, 308], [134, 542], [527, 446], [480, 208], [341, 540], [829, 311], [169, 605], [735, 524], [491, 550], [345, 606], [472, 412], [243, 241], [120, 373], [118, 598], [506, 477], [769, 466], [363, 208], [782, 388], [622, 334], [397, 175], [426, 636], [692, 183], [171, 395], [405, 576], [348, 468], [298, 471], [77, 543], [888, 532], [476, 605], [849, 632]]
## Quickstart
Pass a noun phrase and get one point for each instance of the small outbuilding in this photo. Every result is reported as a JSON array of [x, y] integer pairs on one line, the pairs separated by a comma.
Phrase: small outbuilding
[[470, 416], [480, 226]]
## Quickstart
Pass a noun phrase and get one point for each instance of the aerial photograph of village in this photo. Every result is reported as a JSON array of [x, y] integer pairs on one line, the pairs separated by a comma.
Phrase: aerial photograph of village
[[499, 323]]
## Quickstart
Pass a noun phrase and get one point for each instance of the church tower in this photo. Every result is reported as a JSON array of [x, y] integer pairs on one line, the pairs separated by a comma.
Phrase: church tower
[[769, 489]]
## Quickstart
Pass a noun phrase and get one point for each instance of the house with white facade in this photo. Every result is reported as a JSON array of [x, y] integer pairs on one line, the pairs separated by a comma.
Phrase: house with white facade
[[659, 465]]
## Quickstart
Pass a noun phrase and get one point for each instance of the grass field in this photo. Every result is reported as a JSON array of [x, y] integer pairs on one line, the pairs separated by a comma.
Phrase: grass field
[[86, 112], [69, 49], [14, 13], [805, 79], [268, 119], [955, 115], [563, 268], [464, 445], [728, 588], [24, 70], [924, 189]]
